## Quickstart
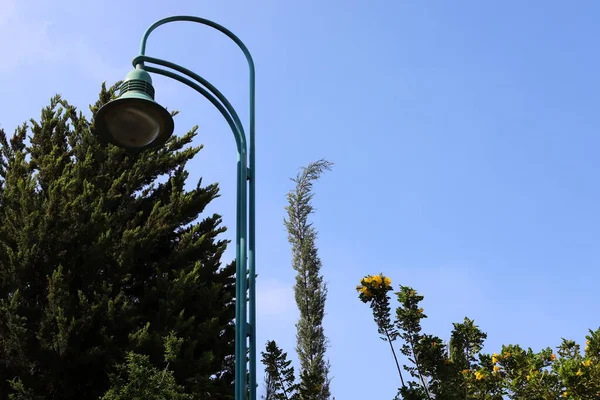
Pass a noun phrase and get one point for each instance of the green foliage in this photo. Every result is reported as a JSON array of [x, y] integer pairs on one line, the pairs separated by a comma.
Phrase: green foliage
[[279, 374], [373, 290], [103, 254], [138, 378], [310, 290], [460, 371]]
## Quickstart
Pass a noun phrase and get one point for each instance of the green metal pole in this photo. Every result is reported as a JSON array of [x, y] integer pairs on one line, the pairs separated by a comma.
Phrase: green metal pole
[[252, 235], [245, 204]]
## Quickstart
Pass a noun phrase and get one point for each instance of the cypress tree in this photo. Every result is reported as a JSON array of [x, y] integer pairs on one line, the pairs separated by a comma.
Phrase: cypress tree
[[105, 259], [310, 290]]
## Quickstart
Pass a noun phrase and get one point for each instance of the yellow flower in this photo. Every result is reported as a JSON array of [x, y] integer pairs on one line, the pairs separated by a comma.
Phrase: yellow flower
[[420, 310], [377, 281], [586, 363], [565, 394], [479, 375], [496, 368], [579, 373], [528, 377], [387, 281], [587, 342], [465, 371], [552, 357], [494, 358], [412, 293], [367, 280], [506, 355]]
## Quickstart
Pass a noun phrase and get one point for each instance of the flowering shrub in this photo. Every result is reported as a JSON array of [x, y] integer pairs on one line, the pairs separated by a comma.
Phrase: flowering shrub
[[459, 370]]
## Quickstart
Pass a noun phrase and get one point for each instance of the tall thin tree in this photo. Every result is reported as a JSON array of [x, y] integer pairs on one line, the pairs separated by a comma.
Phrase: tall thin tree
[[310, 290]]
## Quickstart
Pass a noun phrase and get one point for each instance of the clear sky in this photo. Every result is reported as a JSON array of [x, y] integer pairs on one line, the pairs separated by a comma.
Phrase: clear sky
[[464, 136]]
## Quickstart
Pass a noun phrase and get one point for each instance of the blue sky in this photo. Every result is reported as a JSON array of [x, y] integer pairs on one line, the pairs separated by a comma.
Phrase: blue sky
[[464, 136]]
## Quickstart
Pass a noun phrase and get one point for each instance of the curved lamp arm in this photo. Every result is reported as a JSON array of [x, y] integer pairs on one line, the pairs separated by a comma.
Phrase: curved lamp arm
[[231, 120], [208, 90], [202, 21], [238, 42], [244, 174]]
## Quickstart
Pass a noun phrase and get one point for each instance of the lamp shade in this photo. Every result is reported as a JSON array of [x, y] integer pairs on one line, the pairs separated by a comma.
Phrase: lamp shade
[[134, 120]]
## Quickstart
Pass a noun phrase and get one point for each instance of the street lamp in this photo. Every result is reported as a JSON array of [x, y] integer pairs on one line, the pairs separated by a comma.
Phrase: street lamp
[[135, 121]]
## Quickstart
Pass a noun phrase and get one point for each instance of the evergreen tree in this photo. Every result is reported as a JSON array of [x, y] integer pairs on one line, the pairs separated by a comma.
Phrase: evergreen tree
[[100, 262], [139, 379], [310, 290], [279, 374]]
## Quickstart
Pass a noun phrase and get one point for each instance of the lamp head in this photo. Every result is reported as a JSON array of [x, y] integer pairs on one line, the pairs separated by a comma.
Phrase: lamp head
[[134, 120]]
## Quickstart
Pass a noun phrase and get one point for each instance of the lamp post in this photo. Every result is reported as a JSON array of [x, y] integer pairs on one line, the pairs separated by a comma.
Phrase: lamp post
[[135, 121]]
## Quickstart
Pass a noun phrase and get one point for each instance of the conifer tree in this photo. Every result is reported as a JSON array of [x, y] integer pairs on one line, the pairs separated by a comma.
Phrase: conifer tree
[[310, 290], [100, 262], [279, 374]]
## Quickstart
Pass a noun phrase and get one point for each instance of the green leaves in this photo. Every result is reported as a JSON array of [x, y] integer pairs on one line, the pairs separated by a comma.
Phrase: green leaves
[[280, 382], [310, 290], [373, 290], [466, 342], [461, 371], [103, 254], [139, 379]]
